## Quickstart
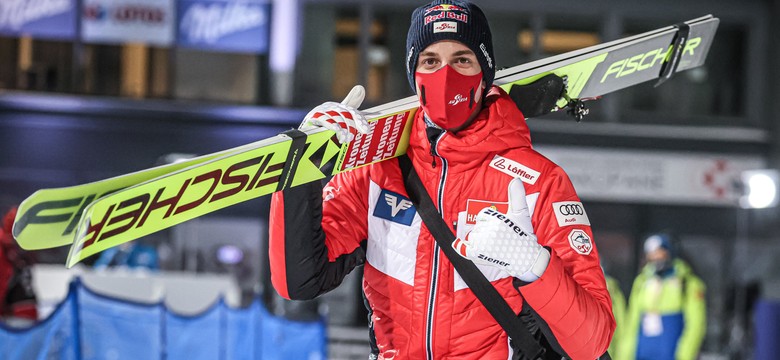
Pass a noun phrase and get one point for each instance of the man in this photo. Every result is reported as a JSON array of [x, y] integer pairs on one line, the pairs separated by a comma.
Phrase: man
[[471, 148], [666, 316], [618, 311], [18, 303]]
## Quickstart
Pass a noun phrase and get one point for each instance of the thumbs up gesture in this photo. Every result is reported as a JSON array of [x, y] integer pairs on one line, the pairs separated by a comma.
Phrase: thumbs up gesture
[[506, 240]]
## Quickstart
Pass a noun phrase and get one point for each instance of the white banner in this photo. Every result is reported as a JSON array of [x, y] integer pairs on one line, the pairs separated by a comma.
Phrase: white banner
[[125, 21], [680, 178]]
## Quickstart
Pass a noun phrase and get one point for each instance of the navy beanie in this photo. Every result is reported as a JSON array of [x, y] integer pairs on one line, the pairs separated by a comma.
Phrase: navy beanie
[[450, 20]]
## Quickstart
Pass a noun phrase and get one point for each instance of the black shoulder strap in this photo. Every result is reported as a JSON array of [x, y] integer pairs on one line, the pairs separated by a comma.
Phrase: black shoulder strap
[[477, 282]]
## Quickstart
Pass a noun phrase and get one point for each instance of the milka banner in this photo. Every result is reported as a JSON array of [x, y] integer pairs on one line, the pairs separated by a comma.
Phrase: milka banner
[[675, 178], [224, 25], [128, 21], [52, 19]]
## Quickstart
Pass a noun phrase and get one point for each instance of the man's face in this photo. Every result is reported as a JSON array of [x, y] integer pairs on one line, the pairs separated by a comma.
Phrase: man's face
[[448, 52], [460, 58], [657, 255]]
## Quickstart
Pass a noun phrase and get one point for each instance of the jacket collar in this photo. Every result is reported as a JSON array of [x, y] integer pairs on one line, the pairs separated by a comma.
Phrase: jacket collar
[[498, 127]]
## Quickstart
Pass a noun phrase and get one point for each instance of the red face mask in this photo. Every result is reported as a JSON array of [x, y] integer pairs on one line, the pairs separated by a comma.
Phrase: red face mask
[[447, 96]]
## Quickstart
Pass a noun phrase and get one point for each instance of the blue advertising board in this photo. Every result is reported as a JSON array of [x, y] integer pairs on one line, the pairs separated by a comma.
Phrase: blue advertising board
[[239, 26], [49, 19]]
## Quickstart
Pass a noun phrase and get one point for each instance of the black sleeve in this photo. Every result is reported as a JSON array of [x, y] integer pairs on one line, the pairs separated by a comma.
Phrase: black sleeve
[[307, 271]]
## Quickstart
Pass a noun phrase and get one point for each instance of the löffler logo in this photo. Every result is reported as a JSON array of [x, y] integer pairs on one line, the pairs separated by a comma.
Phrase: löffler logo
[[515, 169]]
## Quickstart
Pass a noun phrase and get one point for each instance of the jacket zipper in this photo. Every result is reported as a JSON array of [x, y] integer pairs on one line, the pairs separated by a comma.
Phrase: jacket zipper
[[435, 270]]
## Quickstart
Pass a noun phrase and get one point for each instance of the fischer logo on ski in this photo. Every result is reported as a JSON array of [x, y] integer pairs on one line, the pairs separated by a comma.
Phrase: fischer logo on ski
[[51, 212], [647, 60], [194, 192]]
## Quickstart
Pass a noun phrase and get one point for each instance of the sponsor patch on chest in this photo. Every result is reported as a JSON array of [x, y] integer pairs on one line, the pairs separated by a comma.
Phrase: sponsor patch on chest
[[570, 213], [515, 169], [473, 207], [394, 207]]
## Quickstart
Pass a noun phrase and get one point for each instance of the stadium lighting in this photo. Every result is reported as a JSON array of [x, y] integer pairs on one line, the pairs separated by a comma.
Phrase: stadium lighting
[[760, 189], [230, 254]]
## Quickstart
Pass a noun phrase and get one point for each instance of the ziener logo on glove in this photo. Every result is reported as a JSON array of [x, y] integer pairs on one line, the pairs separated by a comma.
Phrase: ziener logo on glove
[[490, 259], [505, 220], [473, 207]]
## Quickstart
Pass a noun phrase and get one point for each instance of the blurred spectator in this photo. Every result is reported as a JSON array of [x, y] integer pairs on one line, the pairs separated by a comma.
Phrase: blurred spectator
[[618, 310], [666, 316], [134, 255], [17, 296]]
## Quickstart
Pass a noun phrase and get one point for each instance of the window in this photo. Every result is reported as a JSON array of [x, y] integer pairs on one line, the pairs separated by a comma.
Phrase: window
[[37, 65], [347, 57]]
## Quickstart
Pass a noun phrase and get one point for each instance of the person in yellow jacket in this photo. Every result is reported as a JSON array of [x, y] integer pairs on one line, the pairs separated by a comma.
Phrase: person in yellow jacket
[[618, 310], [666, 317]]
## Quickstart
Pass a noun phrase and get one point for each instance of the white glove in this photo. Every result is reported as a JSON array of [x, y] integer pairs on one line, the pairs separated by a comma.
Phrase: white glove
[[506, 241], [343, 118]]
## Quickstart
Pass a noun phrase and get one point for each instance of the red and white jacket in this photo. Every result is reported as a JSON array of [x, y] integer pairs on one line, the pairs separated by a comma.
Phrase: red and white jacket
[[420, 307]]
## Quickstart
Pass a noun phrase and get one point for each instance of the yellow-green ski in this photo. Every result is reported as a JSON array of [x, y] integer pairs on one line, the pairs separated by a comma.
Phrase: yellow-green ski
[[99, 215]]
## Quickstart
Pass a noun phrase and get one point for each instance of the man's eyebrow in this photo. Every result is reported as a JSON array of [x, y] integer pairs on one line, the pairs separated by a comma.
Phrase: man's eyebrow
[[457, 53], [463, 52]]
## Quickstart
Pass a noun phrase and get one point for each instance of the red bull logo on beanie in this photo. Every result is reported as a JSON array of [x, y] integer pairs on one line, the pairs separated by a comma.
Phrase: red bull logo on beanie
[[444, 7], [446, 15], [446, 11]]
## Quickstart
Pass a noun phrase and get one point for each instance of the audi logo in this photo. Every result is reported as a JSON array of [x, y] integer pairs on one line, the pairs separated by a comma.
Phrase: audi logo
[[571, 209]]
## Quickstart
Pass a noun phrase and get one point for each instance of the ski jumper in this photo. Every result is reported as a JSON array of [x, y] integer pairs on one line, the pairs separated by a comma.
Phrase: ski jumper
[[420, 307]]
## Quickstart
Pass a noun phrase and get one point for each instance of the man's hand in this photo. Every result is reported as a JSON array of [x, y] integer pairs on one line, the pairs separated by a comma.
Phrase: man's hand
[[343, 118], [506, 240]]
